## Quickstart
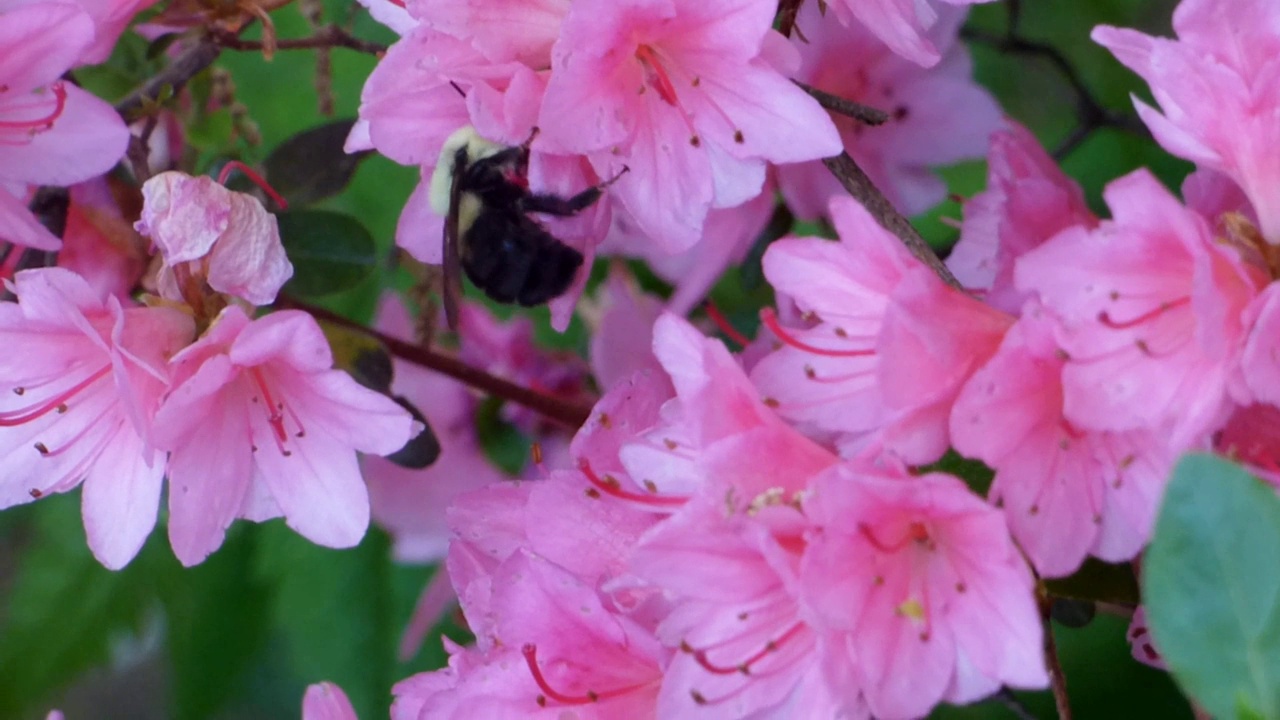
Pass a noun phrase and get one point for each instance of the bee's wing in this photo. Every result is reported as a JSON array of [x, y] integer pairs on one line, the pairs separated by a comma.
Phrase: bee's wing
[[452, 285]]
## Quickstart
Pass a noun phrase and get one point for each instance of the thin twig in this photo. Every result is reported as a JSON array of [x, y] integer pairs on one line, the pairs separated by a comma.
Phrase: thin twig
[[864, 191], [1006, 697], [175, 76], [330, 36], [864, 114], [1091, 113], [569, 414], [1057, 678]]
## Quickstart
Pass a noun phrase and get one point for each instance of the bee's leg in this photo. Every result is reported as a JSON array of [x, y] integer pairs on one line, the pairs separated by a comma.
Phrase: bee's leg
[[556, 205]]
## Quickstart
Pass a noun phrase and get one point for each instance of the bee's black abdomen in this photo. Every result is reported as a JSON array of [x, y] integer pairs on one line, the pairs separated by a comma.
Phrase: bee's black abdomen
[[512, 258], [552, 275]]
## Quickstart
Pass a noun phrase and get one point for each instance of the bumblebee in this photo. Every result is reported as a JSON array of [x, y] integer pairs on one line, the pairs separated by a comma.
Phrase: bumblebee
[[482, 190]]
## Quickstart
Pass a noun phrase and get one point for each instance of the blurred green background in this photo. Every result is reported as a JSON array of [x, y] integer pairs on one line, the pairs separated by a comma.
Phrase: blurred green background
[[243, 634]]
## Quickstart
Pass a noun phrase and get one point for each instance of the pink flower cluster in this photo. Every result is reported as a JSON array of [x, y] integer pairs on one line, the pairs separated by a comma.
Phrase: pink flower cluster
[[692, 97], [246, 418]]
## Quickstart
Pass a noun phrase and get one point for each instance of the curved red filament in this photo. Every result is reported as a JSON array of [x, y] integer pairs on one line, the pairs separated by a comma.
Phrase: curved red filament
[[530, 653], [744, 667], [255, 177], [770, 320], [46, 121], [1105, 318], [611, 486], [25, 415], [723, 324]]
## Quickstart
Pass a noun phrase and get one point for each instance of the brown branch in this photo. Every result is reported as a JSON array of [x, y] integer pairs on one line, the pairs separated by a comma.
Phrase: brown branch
[[330, 36], [864, 191], [174, 77], [864, 114], [568, 414], [1057, 678]]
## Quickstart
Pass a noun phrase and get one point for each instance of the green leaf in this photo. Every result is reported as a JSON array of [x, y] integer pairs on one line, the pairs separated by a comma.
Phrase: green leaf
[[330, 252], [1212, 587], [64, 611], [215, 626], [312, 165], [330, 614]]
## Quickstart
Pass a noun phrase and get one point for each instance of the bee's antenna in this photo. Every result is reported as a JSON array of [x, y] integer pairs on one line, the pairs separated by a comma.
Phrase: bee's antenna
[[625, 169], [458, 88], [532, 134]]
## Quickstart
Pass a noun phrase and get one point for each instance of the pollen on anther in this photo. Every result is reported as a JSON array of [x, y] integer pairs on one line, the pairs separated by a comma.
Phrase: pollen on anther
[[592, 696], [961, 587], [738, 137], [35, 493], [42, 448], [695, 141], [19, 390], [743, 616], [697, 697], [541, 700], [650, 485], [592, 493], [696, 81], [809, 372], [771, 402], [1033, 510], [671, 444], [605, 422], [685, 647], [62, 408], [840, 332]]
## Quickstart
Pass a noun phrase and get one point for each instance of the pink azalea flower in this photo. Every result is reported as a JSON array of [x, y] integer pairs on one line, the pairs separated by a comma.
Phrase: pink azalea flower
[[326, 701], [79, 404], [1217, 91], [1066, 492], [227, 238], [824, 376], [939, 116], [745, 649], [51, 132], [1151, 314], [560, 649], [903, 25], [1027, 201], [917, 591], [256, 408], [680, 92], [877, 323]]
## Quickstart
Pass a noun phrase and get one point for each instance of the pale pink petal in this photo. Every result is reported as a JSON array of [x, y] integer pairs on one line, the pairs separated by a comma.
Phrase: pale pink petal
[[326, 701]]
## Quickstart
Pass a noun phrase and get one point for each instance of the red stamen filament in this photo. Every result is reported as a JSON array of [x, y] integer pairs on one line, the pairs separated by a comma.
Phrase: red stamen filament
[[255, 177], [1164, 307], [530, 652], [722, 322], [916, 532], [275, 417], [611, 487], [26, 415], [42, 123], [745, 666], [656, 75], [770, 320]]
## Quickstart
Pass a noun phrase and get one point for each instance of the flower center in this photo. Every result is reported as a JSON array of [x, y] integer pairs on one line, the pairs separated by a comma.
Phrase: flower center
[[276, 410]]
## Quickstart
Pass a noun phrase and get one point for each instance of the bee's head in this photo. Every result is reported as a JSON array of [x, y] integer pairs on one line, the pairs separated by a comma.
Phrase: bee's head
[[476, 147]]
